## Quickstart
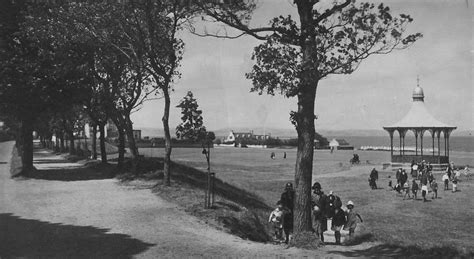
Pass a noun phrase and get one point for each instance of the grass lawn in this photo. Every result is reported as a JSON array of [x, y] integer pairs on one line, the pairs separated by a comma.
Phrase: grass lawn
[[440, 224]]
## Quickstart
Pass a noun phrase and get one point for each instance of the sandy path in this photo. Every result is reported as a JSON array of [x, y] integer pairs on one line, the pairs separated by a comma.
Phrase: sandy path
[[100, 218]]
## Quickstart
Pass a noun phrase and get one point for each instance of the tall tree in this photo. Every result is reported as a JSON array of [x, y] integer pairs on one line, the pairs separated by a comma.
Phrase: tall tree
[[191, 126], [297, 53]]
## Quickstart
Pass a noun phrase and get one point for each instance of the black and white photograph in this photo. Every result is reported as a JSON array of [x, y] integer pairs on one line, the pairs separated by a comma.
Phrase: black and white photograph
[[236, 128]]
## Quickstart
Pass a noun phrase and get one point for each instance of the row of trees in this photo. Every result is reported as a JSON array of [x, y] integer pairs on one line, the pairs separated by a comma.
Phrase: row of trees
[[100, 60], [72, 62]]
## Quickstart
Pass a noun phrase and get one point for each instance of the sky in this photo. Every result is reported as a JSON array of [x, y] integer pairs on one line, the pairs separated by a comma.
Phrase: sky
[[378, 94]]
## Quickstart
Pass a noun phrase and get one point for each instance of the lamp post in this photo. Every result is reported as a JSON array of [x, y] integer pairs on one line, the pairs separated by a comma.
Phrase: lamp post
[[209, 195]]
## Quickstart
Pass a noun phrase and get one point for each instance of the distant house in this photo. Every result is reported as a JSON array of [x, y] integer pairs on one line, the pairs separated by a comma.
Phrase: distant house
[[244, 137], [340, 144]]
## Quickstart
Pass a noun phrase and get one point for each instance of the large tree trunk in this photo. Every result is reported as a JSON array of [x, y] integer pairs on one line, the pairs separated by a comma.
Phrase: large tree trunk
[[305, 124], [72, 150], [63, 146], [131, 144], [103, 153], [166, 127], [121, 148], [94, 141], [26, 145]]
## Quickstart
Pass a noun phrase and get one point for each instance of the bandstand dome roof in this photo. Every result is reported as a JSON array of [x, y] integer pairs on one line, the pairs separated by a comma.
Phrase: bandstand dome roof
[[418, 116]]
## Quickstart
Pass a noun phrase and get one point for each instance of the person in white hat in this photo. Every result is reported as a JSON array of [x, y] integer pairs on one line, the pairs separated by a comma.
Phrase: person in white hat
[[351, 223]]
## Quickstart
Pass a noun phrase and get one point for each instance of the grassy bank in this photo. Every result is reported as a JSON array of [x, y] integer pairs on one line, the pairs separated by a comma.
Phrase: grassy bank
[[416, 227], [235, 210]]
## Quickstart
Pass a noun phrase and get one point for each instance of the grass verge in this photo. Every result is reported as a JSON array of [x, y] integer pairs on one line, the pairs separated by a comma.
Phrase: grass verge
[[235, 210]]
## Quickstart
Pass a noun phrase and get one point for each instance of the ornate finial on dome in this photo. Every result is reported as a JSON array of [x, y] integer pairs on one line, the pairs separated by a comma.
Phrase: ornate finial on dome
[[418, 92]]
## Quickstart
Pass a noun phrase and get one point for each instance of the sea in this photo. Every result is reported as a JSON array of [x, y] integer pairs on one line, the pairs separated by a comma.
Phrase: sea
[[456, 143]]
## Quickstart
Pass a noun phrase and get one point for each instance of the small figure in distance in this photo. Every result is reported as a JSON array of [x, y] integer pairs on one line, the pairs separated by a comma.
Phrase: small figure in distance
[[434, 188], [406, 187], [414, 189], [445, 180], [272, 155], [284, 155]]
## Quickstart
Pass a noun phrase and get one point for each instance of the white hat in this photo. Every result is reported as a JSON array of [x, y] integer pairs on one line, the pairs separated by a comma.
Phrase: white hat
[[331, 192], [350, 203]]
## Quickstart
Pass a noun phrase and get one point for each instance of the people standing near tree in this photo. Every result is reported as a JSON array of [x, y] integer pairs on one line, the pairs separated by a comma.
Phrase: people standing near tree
[[445, 180], [338, 222], [287, 200], [352, 216], [332, 202], [276, 219], [318, 202]]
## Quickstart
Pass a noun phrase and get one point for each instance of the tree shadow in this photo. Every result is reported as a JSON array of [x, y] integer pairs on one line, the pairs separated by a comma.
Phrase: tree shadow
[[28, 238], [198, 179], [395, 251], [95, 171]]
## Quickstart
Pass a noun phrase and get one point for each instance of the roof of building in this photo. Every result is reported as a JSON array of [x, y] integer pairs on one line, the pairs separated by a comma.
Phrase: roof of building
[[418, 116]]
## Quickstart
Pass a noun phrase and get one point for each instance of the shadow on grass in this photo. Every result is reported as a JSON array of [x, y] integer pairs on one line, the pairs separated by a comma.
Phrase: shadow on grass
[[395, 251], [95, 171], [359, 239], [198, 179], [242, 213], [28, 238]]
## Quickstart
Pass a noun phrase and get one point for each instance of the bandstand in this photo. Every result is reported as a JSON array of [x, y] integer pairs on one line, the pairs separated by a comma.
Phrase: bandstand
[[420, 121]]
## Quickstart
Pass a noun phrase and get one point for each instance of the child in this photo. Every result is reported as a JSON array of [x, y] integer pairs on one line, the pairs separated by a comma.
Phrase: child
[[276, 218], [390, 183], [434, 188], [338, 221], [414, 189], [424, 191], [406, 187], [455, 183], [446, 181], [351, 223]]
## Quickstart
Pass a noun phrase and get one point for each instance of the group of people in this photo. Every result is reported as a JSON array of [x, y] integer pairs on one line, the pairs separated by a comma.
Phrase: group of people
[[324, 207], [423, 180]]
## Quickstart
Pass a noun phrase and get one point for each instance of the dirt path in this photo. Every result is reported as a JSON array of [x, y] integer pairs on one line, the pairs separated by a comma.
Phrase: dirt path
[[101, 218]]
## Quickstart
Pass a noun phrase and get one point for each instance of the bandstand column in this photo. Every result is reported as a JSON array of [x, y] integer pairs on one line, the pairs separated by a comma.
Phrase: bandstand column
[[433, 137], [391, 144], [439, 147], [416, 142], [400, 148], [421, 140]]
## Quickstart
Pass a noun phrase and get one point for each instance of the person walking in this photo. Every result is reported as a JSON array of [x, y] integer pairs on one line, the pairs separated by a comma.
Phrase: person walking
[[287, 200], [318, 202], [338, 222], [445, 180], [434, 189], [276, 219], [414, 189], [351, 216]]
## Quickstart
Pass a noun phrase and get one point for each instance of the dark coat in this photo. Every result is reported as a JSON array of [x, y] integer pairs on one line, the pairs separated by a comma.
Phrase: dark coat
[[339, 218]]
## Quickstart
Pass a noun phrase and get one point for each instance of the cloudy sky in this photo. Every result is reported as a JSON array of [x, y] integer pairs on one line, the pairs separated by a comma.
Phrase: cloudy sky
[[376, 95]]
